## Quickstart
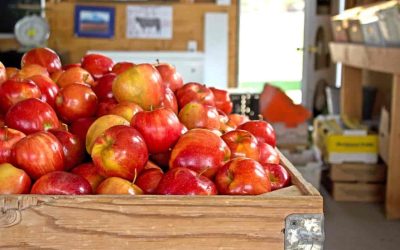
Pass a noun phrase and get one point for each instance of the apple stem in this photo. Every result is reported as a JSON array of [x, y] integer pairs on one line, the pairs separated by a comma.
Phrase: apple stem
[[134, 177], [204, 170]]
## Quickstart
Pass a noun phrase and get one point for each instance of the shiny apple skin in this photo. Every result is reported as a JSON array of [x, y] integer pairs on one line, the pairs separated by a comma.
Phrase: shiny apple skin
[[268, 154], [13, 180], [32, 115], [120, 152], [48, 88], [242, 144], [222, 100], [80, 127], [278, 175], [75, 75], [38, 154], [149, 178], [8, 137], [72, 147], [100, 125], [201, 151], [90, 172], [183, 181], [61, 183], [117, 185], [234, 120], [140, 84], [44, 57], [121, 67], [103, 88], [198, 115], [170, 101], [262, 130], [105, 107], [170, 77], [126, 109], [194, 92], [160, 129], [242, 176], [97, 65], [14, 91], [76, 101], [31, 70]]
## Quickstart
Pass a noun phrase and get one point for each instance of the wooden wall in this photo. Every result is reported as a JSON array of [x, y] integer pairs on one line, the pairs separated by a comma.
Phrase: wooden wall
[[188, 24]]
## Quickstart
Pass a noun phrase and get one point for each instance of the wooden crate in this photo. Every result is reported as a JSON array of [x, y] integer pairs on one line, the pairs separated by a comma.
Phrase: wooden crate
[[155, 222]]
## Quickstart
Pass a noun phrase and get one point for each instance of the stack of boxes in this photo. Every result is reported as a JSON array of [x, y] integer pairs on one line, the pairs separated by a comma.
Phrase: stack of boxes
[[354, 173]]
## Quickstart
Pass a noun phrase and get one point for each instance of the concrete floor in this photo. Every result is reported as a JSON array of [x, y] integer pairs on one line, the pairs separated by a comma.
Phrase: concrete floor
[[358, 226]]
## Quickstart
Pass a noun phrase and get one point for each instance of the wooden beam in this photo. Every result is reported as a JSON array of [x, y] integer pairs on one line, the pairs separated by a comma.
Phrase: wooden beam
[[351, 93], [393, 184]]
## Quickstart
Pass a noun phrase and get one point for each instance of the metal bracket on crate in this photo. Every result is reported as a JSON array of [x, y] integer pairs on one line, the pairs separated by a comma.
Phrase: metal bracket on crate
[[304, 232]]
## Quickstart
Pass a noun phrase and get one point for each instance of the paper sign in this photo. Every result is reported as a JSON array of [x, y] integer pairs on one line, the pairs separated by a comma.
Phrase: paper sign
[[149, 22]]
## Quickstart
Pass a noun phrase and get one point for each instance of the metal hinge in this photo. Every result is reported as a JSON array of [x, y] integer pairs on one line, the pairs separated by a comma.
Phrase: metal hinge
[[304, 232]]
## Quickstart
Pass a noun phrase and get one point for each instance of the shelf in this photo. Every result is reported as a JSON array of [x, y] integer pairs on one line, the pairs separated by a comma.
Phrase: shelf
[[355, 59], [367, 57]]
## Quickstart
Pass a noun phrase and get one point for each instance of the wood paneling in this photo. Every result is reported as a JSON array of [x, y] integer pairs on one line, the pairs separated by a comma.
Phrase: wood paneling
[[188, 24]]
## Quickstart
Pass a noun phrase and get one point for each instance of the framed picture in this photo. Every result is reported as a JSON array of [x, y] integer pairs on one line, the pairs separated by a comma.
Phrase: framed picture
[[94, 21]]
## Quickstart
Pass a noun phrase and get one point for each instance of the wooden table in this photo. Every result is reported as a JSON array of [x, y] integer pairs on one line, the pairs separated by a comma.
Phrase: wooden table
[[355, 58]]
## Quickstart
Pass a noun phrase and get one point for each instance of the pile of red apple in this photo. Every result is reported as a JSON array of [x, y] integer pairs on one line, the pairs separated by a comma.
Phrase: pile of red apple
[[97, 127]]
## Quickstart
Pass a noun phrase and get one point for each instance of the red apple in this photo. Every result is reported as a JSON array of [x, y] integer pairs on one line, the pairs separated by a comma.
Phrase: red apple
[[80, 127], [104, 107], [149, 178], [11, 72], [183, 181], [3, 74], [268, 154], [100, 125], [76, 101], [56, 75], [90, 172], [162, 159], [72, 147], [103, 88], [120, 152], [75, 75], [61, 183], [32, 115], [8, 137], [126, 109], [262, 130], [121, 67], [116, 185], [170, 77], [198, 115], [242, 176], [38, 154], [31, 70], [140, 84], [234, 120], [200, 150], [170, 101], [222, 100], [44, 57], [242, 144], [160, 129], [47, 87], [97, 64], [278, 176], [14, 91], [194, 92], [13, 180]]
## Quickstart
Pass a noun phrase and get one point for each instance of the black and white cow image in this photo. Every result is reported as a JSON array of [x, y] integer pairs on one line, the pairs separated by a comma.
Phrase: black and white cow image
[[149, 23]]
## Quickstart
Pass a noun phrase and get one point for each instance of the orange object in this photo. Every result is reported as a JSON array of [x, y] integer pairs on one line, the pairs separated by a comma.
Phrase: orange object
[[276, 106]]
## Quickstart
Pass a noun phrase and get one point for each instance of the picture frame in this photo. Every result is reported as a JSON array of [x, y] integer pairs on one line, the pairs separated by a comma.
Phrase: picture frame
[[94, 21]]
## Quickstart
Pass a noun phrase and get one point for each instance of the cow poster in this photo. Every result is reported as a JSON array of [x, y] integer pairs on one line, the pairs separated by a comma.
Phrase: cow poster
[[149, 22]]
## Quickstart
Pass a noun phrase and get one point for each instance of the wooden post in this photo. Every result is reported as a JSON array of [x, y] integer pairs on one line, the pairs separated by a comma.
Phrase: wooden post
[[351, 93], [393, 175]]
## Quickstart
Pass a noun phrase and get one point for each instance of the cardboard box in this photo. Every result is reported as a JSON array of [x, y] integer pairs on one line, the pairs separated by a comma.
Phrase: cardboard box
[[384, 135], [286, 136], [357, 172]]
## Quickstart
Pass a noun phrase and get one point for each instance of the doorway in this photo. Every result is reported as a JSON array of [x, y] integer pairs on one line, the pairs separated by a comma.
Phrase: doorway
[[269, 34]]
